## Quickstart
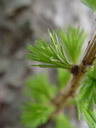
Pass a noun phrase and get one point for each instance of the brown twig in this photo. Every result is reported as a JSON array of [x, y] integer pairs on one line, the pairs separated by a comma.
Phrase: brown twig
[[78, 74]]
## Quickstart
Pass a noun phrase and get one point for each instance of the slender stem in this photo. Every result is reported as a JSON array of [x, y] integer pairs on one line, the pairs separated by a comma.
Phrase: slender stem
[[78, 74]]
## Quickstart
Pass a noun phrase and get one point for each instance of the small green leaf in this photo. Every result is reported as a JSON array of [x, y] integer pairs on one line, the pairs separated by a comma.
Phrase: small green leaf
[[52, 55], [58, 53], [89, 115], [87, 92], [38, 88], [35, 114], [73, 41]]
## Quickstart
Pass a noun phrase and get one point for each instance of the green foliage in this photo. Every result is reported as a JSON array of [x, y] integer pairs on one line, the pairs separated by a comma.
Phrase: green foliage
[[51, 54], [87, 92], [39, 89], [41, 92], [58, 54], [63, 51], [63, 121], [89, 115], [90, 3], [37, 110], [87, 98], [72, 42], [35, 114], [63, 77]]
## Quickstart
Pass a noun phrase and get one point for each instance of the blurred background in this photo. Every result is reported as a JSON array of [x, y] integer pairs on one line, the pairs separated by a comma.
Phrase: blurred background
[[22, 22]]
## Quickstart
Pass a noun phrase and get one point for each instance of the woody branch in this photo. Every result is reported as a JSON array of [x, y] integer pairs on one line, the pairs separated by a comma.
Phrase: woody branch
[[78, 72]]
